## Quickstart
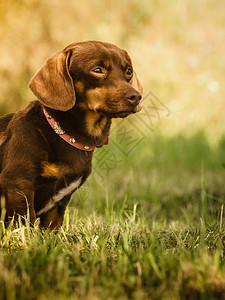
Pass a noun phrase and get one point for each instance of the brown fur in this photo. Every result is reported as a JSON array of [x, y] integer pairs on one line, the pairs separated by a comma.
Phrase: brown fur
[[82, 87]]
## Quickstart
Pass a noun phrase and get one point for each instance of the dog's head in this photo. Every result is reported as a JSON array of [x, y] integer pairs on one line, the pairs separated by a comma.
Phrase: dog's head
[[96, 76]]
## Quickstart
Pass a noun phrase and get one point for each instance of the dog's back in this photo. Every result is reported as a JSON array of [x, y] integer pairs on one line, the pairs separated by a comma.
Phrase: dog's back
[[4, 122]]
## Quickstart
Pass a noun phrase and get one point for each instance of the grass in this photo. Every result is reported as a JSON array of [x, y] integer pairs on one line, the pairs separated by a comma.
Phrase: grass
[[129, 239]]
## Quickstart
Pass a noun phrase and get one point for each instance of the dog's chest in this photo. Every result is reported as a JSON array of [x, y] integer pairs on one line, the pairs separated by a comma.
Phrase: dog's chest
[[60, 179], [57, 195]]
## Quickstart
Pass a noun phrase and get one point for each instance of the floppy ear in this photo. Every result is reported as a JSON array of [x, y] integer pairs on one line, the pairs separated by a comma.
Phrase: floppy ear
[[136, 84], [53, 84]]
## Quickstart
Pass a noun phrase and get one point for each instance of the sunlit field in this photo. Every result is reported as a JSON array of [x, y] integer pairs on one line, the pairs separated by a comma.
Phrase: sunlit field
[[149, 222]]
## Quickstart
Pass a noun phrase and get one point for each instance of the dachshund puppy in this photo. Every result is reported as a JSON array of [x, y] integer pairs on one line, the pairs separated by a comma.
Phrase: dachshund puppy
[[46, 149]]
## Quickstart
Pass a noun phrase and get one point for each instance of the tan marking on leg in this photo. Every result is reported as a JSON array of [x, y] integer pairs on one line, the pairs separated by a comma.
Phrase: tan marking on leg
[[50, 170], [55, 170]]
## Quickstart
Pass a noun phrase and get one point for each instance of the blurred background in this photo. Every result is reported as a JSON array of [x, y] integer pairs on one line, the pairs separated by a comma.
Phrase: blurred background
[[177, 49]]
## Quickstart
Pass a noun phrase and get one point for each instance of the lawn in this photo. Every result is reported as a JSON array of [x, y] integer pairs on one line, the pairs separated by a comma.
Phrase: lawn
[[157, 235]]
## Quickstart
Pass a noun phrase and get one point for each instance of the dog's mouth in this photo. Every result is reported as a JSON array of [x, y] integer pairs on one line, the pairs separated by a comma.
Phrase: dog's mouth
[[114, 108], [117, 105], [126, 112], [120, 113], [138, 107]]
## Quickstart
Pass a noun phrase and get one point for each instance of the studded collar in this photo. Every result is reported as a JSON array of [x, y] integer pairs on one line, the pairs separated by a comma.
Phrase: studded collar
[[70, 140]]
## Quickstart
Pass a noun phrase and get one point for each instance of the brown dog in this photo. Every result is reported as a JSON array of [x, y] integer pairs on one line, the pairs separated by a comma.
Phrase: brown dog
[[46, 149]]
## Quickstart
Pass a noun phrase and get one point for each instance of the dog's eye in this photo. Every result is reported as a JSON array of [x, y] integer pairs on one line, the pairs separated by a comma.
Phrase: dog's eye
[[129, 71], [97, 70]]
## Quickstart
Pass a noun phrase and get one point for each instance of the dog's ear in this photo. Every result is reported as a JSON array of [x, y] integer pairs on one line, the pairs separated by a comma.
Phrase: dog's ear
[[136, 84], [53, 84]]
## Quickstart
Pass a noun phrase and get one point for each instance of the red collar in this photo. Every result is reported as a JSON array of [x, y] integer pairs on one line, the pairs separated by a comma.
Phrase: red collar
[[70, 140]]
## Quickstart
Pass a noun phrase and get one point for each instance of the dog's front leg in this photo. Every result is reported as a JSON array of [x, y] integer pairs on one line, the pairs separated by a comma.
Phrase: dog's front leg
[[53, 219], [20, 202]]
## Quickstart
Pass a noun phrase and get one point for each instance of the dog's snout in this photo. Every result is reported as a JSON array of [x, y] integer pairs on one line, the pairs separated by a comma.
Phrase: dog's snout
[[133, 96]]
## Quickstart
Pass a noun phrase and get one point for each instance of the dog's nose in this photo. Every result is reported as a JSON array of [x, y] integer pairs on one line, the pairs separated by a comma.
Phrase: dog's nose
[[133, 96]]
